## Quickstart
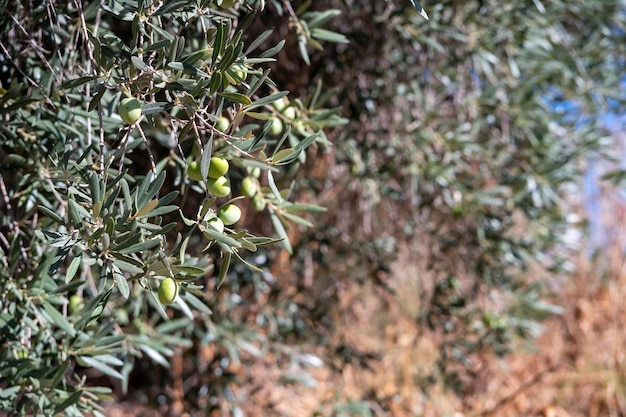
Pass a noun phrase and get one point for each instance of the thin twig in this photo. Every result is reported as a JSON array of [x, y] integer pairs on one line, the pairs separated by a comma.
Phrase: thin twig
[[510, 397]]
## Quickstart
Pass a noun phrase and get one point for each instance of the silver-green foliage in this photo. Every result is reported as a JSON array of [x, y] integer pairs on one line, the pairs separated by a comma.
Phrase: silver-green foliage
[[481, 154], [96, 213]]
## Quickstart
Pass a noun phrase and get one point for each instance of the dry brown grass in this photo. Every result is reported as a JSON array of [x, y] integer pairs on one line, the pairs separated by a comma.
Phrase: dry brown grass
[[577, 369]]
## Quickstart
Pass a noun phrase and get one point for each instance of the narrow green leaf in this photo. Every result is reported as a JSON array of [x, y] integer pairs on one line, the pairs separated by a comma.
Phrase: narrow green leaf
[[122, 285], [168, 198], [159, 211], [213, 234], [281, 232], [205, 162], [236, 97], [76, 82], [223, 269], [258, 41], [188, 69], [58, 319], [96, 98], [95, 363], [155, 355], [248, 264], [138, 63], [190, 270], [171, 6], [69, 401], [420, 9], [71, 270], [127, 266], [283, 156], [311, 208], [273, 50], [329, 36], [196, 303], [59, 373], [69, 287], [150, 205], [51, 214], [97, 308], [162, 33], [162, 44], [266, 100], [296, 219], [273, 187], [218, 43], [141, 246]]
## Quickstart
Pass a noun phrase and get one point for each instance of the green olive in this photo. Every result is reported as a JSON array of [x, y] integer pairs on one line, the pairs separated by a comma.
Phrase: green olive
[[218, 167], [222, 124], [193, 171], [258, 202], [230, 214], [240, 71], [280, 104], [289, 112], [277, 126], [299, 127], [218, 187], [249, 187], [75, 303], [22, 353], [129, 110], [168, 290]]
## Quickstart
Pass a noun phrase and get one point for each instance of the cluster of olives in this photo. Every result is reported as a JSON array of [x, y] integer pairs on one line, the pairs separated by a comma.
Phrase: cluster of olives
[[217, 181], [289, 112]]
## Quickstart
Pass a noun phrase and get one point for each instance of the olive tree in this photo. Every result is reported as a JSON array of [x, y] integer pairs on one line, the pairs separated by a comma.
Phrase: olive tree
[[134, 138], [471, 131]]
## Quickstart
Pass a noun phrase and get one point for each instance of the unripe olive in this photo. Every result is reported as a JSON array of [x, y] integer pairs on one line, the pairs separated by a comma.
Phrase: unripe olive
[[240, 71], [22, 353], [75, 304], [258, 202], [218, 167], [129, 110], [280, 104], [277, 126], [168, 290], [230, 214], [298, 127], [218, 187], [289, 112], [217, 224], [222, 124], [249, 187], [193, 171]]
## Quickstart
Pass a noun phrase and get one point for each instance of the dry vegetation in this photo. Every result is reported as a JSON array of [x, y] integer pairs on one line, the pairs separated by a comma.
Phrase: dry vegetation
[[576, 369]]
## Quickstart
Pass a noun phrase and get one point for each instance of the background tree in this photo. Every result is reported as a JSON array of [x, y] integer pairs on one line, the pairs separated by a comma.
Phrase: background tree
[[468, 139]]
